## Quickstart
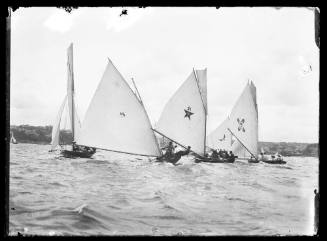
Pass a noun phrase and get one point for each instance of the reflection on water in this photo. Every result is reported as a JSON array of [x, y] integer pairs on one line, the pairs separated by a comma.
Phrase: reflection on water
[[115, 194]]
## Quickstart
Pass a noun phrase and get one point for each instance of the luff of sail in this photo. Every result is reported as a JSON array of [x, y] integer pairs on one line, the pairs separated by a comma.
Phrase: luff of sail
[[183, 117], [116, 120], [220, 138], [244, 123], [56, 126]]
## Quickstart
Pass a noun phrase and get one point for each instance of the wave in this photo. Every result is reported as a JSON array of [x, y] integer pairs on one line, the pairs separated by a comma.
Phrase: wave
[[97, 161], [169, 217], [56, 184]]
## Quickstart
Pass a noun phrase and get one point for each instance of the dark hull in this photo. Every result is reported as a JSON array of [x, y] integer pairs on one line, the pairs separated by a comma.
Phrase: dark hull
[[275, 162], [172, 160], [253, 161], [210, 160], [75, 154]]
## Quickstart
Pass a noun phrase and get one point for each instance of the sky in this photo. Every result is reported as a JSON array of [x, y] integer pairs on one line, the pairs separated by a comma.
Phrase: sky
[[159, 47]]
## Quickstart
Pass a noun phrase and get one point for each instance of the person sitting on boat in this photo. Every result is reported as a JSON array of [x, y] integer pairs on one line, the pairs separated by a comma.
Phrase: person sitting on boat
[[231, 154], [92, 150], [74, 146], [179, 154], [214, 155], [220, 153], [223, 154], [170, 149]]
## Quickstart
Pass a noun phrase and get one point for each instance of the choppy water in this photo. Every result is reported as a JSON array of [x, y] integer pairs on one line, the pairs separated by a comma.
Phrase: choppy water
[[122, 195]]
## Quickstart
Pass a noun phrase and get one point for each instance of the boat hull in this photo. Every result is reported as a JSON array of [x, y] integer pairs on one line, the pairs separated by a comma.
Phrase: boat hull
[[76, 154], [253, 161], [274, 162], [214, 160]]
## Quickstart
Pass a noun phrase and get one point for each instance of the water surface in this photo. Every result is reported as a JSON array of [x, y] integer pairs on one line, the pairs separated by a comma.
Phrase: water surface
[[113, 194]]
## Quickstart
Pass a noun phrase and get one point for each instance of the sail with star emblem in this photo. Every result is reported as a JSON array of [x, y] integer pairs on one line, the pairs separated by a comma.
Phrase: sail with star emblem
[[116, 119], [184, 117], [243, 123], [220, 138]]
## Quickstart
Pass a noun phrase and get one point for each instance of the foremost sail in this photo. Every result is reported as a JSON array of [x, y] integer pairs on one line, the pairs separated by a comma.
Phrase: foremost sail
[[116, 120], [220, 138], [56, 126], [184, 116], [243, 123]]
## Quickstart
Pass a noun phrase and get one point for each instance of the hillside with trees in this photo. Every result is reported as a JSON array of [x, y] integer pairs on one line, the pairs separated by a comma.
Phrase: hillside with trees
[[42, 135]]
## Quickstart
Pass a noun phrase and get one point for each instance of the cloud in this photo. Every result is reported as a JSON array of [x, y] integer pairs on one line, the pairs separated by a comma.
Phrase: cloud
[[62, 21]]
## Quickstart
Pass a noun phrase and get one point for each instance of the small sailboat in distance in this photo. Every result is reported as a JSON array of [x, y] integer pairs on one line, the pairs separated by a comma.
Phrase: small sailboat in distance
[[271, 159], [75, 125], [12, 139], [183, 120]]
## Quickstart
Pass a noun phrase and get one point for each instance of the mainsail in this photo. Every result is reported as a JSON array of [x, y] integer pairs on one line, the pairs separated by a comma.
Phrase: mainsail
[[184, 116], [116, 120], [56, 126], [220, 138], [243, 123]]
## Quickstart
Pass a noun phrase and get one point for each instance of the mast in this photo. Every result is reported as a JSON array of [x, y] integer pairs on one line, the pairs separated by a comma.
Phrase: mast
[[242, 143], [205, 111], [73, 104]]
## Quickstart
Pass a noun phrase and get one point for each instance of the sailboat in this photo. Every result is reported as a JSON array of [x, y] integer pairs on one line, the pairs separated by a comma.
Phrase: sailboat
[[116, 119], [239, 132], [12, 139], [271, 159], [75, 125], [183, 119]]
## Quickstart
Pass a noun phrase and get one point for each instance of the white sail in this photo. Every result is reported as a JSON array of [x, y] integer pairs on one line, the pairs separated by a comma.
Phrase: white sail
[[202, 80], [70, 88], [244, 123], [116, 120], [77, 125], [56, 126], [183, 118], [12, 139], [220, 138]]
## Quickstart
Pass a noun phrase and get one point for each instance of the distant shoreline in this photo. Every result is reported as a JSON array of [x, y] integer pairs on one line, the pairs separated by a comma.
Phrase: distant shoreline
[[42, 135]]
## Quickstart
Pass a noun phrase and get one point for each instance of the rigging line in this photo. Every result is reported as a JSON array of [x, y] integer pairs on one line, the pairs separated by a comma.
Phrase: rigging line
[[242, 143], [130, 153], [137, 91]]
